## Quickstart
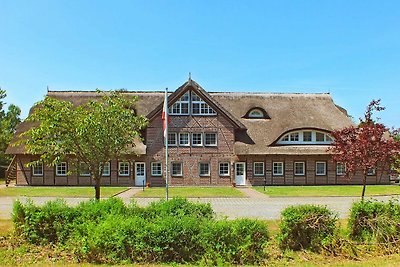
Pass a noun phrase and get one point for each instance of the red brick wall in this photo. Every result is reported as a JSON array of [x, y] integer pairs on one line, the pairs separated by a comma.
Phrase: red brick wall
[[191, 156]]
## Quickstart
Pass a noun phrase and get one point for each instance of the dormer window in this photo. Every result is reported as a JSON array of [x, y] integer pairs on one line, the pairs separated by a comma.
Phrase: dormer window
[[256, 113], [305, 137]]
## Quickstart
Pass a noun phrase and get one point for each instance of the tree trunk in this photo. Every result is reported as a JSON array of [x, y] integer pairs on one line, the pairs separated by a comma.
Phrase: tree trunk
[[364, 185], [97, 188]]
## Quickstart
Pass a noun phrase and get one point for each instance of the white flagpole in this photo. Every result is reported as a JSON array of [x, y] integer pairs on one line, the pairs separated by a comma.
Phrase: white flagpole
[[166, 142]]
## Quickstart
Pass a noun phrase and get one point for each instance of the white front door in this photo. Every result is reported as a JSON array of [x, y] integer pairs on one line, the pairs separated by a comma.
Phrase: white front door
[[240, 173], [140, 173]]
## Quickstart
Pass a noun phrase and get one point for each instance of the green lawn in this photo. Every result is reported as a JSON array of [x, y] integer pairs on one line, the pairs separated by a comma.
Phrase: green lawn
[[191, 192], [319, 191], [44, 191]]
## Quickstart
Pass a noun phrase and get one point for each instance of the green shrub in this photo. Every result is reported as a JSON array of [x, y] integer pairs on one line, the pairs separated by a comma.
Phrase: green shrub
[[306, 227], [50, 223], [178, 207], [241, 241], [375, 221]]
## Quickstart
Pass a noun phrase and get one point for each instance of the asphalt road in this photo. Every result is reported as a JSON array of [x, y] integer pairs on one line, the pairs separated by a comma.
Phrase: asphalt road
[[254, 205]]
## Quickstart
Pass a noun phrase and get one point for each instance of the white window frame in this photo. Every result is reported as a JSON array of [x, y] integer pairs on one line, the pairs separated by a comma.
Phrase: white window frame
[[340, 169], [201, 136], [38, 167], [153, 173], [371, 171], [205, 139], [256, 114], [178, 105], [289, 138], [172, 169], [263, 168], [203, 106], [175, 138], [208, 169], [107, 166], [62, 166], [228, 169], [311, 135], [316, 168], [127, 163], [281, 167], [304, 168], [188, 139], [83, 168]]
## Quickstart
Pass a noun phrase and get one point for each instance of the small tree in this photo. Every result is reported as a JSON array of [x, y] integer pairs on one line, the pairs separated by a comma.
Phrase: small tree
[[93, 133], [9, 121], [366, 146]]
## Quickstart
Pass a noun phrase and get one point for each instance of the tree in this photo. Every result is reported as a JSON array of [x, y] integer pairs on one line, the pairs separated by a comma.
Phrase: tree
[[92, 133], [9, 121], [366, 146]]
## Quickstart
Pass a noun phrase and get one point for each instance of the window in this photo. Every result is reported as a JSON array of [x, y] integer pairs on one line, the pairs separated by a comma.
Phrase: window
[[107, 169], [277, 168], [320, 168], [319, 137], [340, 168], [258, 169], [61, 169], [256, 114], [204, 169], [199, 107], [84, 169], [197, 139], [172, 139], [37, 170], [371, 171], [123, 168], [224, 168], [307, 136], [184, 139], [181, 106], [176, 169], [294, 136], [210, 139], [156, 169], [299, 168]]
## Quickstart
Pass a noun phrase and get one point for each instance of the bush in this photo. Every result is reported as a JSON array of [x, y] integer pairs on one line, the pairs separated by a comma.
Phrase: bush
[[178, 207], [51, 223], [375, 221], [306, 227], [241, 241], [176, 231]]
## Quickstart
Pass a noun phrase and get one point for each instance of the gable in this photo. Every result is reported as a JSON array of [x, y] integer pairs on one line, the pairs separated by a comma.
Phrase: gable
[[192, 100]]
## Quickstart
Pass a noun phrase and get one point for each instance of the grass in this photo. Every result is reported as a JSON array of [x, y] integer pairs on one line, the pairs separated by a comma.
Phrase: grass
[[13, 253], [44, 191], [324, 191], [2, 180], [191, 192]]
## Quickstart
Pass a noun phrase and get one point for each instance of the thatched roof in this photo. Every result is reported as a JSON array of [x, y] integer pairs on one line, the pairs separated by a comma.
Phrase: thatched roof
[[253, 136]]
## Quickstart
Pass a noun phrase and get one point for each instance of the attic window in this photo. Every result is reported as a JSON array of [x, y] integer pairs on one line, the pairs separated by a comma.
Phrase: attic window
[[256, 113], [306, 137]]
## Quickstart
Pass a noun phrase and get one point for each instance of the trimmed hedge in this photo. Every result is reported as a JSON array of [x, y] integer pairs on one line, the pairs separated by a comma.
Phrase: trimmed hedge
[[175, 231], [306, 227]]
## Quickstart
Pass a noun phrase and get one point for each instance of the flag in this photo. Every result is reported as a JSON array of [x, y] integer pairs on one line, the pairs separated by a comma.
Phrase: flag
[[165, 117]]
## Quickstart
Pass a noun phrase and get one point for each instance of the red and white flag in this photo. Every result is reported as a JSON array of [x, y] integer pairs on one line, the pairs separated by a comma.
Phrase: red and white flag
[[165, 116]]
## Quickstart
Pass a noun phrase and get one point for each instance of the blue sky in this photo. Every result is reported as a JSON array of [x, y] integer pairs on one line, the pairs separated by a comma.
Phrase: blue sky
[[348, 48]]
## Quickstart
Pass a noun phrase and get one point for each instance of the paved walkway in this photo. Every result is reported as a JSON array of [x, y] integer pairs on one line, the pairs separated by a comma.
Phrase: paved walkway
[[255, 205]]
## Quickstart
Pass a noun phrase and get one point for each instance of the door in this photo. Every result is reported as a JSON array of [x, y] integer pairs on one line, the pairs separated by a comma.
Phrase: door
[[140, 173], [240, 173]]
